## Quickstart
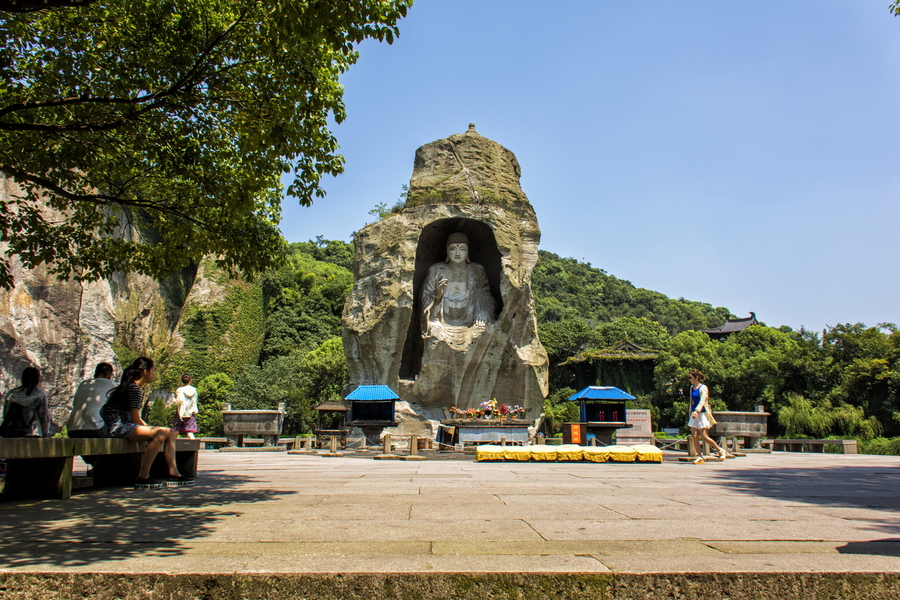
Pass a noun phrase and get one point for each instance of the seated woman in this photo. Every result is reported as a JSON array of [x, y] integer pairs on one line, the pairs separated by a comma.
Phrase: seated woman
[[122, 415], [26, 413]]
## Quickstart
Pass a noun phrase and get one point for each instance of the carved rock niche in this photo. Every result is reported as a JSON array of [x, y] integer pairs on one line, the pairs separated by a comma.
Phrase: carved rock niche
[[462, 184]]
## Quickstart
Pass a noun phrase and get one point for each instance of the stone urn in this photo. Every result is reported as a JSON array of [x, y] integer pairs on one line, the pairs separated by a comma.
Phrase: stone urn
[[255, 423]]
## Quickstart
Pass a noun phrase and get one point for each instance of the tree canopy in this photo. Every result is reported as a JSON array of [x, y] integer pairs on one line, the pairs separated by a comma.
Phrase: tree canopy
[[145, 134]]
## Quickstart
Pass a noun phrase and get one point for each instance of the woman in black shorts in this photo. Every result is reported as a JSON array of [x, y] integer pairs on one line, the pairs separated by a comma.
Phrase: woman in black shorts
[[122, 415]]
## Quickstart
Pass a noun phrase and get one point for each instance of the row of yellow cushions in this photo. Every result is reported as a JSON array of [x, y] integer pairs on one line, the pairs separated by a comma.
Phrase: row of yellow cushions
[[568, 452]]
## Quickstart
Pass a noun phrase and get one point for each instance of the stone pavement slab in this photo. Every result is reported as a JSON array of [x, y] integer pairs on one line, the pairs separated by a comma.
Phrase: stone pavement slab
[[255, 514]]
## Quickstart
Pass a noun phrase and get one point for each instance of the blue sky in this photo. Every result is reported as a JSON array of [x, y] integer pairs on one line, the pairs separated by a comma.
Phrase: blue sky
[[741, 154]]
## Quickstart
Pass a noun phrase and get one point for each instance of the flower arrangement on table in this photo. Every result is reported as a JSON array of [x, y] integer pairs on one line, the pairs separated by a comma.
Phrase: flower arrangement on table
[[489, 410], [469, 413], [494, 409]]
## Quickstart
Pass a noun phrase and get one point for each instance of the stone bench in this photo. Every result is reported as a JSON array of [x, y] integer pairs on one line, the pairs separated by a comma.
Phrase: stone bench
[[42, 468], [846, 446]]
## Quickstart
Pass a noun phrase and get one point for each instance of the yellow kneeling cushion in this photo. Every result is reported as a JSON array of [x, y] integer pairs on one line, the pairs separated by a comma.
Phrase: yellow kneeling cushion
[[520, 453], [543, 452], [595, 453], [621, 453], [489, 452], [569, 452], [648, 453]]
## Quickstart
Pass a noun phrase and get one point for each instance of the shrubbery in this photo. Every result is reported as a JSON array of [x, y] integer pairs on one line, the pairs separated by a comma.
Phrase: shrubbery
[[880, 445]]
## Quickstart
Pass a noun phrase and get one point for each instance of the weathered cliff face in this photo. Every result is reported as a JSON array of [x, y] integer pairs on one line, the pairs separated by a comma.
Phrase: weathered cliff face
[[65, 328], [468, 184]]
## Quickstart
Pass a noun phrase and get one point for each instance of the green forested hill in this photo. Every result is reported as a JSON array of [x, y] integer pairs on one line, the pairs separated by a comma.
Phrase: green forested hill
[[297, 358], [842, 382], [568, 289]]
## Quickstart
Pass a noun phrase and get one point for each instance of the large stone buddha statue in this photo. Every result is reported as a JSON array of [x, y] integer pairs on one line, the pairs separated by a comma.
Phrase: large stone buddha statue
[[456, 295]]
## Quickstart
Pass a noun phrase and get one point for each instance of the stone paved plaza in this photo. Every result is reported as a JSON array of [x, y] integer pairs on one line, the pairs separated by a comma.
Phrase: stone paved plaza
[[273, 513], [265, 512]]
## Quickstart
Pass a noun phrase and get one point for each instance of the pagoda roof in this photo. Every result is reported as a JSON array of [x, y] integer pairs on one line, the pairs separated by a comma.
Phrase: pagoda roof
[[623, 350], [732, 326]]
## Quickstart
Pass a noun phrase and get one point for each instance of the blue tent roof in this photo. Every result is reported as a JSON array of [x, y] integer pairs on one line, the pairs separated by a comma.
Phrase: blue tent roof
[[601, 392], [373, 393]]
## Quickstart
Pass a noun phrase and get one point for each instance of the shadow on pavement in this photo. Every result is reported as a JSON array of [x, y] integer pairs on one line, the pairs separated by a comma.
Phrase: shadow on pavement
[[875, 547], [848, 486], [855, 487], [120, 523]]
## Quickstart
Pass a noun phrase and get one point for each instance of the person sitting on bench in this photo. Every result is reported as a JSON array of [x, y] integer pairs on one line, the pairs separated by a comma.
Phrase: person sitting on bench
[[85, 420], [122, 414], [26, 413]]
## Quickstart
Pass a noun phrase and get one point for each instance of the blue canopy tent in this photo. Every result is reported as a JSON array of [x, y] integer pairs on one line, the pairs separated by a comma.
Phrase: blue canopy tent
[[372, 405], [602, 412]]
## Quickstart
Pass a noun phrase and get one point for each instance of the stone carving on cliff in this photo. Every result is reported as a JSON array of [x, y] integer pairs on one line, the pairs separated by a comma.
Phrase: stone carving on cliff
[[441, 309]]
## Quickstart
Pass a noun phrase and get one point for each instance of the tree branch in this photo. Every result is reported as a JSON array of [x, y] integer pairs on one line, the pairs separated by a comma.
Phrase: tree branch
[[75, 100], [101, 199]]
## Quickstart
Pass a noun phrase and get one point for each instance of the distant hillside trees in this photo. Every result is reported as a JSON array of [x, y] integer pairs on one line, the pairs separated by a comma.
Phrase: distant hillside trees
[[567, 290], [846, 383], [843, 382], [303, 299], [302, 359]]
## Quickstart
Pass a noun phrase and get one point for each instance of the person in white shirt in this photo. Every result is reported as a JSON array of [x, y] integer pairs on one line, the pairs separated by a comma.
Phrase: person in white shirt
[[186, 399], [85, 420]]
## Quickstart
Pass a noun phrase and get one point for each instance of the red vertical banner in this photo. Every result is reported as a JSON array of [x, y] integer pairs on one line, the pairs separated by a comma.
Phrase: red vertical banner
[[574, 433]]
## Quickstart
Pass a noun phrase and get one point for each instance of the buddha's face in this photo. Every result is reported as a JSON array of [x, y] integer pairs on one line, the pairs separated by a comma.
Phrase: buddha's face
[[457, 253]]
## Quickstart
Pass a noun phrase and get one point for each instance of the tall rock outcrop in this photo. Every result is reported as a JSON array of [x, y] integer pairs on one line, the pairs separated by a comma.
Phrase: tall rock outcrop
[[464, 184], [65, 328]]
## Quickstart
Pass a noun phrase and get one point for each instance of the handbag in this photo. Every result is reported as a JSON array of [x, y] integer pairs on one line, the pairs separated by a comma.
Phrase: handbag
[[709, 415]]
